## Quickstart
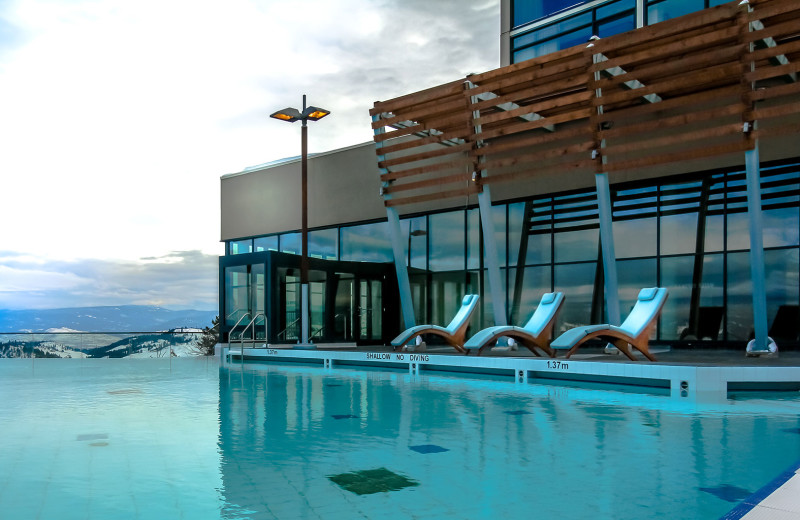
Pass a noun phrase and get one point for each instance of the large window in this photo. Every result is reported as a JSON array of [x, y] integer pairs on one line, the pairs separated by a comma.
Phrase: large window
[[689, 233], [524, 11], [563, 32], [544, 26]]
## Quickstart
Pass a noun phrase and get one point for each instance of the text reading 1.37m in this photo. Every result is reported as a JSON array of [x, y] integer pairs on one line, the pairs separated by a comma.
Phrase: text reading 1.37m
[[557, 365]]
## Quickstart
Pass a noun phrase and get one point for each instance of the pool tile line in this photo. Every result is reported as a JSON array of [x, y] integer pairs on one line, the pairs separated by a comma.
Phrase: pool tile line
[[759, 496]]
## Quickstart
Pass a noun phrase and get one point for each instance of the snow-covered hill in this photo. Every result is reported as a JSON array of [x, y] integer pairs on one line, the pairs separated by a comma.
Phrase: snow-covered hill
[[126, 318]]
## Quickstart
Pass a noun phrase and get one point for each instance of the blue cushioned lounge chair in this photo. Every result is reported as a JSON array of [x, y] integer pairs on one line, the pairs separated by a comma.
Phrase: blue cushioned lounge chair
[[634, 331], [535, 334], [453, 334]]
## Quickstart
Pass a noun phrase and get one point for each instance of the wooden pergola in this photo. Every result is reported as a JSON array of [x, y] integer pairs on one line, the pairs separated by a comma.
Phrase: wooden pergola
[[708, 84]]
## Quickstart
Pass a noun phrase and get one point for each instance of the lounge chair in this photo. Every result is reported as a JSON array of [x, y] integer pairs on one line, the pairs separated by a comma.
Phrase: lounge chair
[[535, 334], [634, 331], [453, 334]]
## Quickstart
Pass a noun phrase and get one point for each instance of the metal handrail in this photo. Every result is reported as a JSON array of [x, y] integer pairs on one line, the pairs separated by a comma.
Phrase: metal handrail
[[342, 315], [253, 333], [230, 332], [283, 332]]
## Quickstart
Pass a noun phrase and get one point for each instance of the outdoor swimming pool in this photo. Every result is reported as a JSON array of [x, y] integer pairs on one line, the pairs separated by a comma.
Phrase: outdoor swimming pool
[[106, 439]]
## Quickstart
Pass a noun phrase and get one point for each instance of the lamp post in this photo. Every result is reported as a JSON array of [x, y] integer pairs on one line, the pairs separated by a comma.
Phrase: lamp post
[[291, 115]]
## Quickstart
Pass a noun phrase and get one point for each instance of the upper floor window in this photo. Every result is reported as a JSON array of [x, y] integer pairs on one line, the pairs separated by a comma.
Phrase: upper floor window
[[605, 20], [524, 11]]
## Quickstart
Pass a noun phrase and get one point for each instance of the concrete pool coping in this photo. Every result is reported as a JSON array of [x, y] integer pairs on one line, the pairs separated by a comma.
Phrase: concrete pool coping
[[686, 375]]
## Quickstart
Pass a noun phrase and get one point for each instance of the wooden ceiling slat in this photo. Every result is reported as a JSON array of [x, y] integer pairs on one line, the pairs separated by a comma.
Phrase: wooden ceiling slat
[[439, 152], [673, 121], [682, 155], [683, 137], [683, 46], [449, 165], [698, 68], [472, 190], [580, 98]]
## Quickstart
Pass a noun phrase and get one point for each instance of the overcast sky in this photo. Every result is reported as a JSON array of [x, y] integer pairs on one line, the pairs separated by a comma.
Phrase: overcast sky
[[117, 119]]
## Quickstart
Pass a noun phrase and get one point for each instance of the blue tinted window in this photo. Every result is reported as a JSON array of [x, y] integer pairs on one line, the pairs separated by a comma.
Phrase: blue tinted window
[[552, 30], [525, 11], [667, 9], [266, 243], [620, 25], [238, 247], [614, 8], [323, 243], [564, 41], [291, 243], [366, 243], [447, 241]]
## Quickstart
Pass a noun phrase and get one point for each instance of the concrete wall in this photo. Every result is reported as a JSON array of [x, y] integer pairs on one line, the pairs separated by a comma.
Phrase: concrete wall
[[343, 187]]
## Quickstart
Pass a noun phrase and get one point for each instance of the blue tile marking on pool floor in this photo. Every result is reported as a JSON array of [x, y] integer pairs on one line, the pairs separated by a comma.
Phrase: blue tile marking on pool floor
[[759, 496], [348, 416], [517, 412], [728, 492], [428, 448]]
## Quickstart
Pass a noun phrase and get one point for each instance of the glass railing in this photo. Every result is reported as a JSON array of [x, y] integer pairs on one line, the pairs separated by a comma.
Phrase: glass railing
[[176, 343]]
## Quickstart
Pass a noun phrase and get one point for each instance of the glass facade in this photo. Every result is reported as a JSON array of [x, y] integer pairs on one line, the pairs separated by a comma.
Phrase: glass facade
[[570, 29], [544, 26], [688, 233]]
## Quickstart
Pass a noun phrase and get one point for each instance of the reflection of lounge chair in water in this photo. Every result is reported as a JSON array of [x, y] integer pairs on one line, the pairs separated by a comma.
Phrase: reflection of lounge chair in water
[[536, 333], [634, 331], [453, 334]]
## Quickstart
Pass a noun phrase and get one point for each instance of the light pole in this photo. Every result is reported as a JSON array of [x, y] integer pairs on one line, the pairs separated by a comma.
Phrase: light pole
[[291, 115]]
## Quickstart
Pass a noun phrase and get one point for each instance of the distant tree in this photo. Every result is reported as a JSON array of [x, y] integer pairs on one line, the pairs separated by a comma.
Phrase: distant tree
[[209, 338]]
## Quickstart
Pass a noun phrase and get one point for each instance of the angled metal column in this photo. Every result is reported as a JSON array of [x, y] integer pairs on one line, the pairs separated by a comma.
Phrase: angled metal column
[[604, 215], [757, 272], [396, 236], [496, 286], [761, 344], [607, 244]]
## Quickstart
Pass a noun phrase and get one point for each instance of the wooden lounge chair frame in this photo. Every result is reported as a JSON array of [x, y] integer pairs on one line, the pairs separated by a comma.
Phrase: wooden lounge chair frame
[[536, 334], [634, 332], [453, 334]]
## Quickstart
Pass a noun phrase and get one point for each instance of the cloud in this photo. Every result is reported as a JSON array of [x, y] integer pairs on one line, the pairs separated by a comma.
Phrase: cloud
[[178, 280], [120, 117]]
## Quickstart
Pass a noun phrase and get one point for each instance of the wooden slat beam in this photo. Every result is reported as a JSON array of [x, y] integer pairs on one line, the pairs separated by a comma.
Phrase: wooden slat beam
[[510, 106], [400, 201]]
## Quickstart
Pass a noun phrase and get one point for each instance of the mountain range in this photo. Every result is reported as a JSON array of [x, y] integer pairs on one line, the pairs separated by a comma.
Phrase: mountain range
[[124, 318]]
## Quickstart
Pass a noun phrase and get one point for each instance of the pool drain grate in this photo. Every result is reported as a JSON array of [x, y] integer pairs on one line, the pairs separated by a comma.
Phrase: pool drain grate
[[370, 481]]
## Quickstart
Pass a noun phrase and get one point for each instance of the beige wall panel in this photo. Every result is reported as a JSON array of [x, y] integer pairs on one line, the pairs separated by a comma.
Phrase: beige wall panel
[[342, 187]]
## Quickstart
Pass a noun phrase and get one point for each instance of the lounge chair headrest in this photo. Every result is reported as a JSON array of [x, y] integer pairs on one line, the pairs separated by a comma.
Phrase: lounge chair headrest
[[467, 299], [548, 298], [648, 294]]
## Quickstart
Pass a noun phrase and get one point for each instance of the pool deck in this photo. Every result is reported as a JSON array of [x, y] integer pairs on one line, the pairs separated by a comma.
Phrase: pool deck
[[687, 375]]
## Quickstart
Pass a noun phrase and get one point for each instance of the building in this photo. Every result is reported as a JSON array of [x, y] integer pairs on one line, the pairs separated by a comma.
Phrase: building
[[503, 184]]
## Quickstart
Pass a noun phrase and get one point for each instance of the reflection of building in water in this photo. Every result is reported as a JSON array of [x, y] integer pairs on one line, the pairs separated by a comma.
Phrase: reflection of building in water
[[284, 431], [655, 114]]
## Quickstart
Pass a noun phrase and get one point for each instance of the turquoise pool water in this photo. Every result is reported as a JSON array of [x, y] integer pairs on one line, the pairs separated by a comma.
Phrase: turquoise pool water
[[105, 439]]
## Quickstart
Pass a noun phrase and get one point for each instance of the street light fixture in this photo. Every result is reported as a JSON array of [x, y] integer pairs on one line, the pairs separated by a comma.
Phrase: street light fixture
[[291, 115]]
